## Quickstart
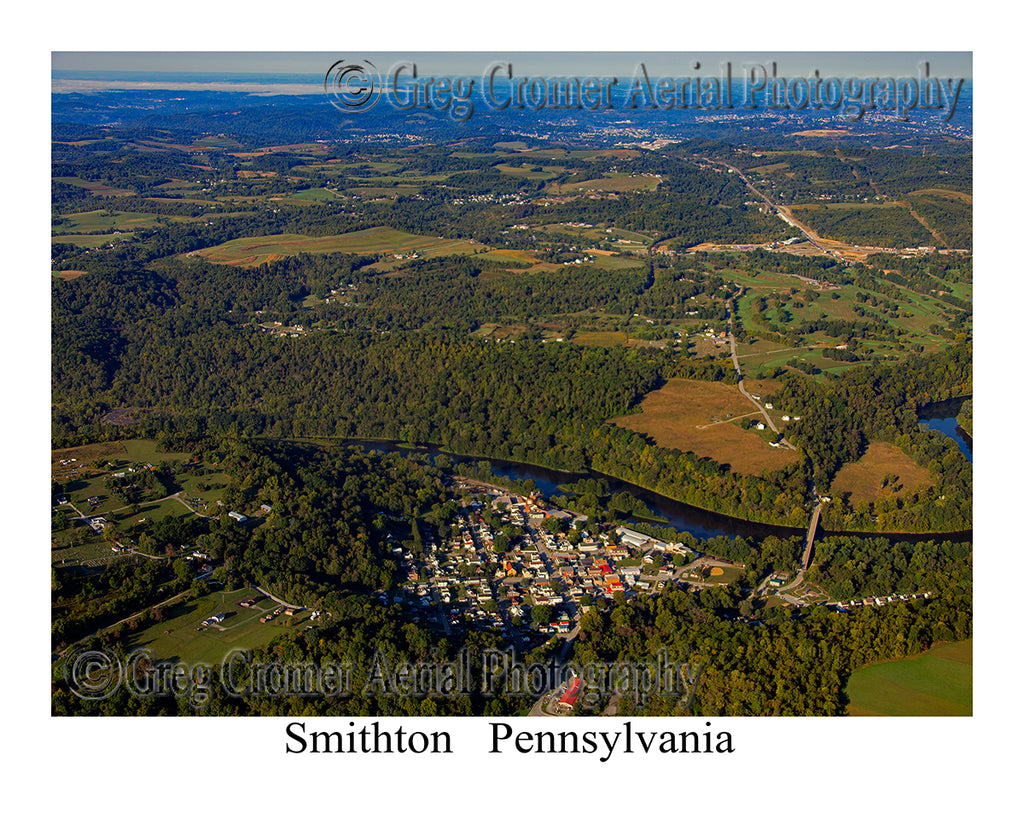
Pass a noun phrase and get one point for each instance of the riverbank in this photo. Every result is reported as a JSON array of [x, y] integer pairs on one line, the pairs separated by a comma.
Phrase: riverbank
[[702, 523]]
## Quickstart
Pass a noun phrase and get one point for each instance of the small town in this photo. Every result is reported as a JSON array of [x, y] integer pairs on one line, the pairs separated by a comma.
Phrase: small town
[[541, 580]]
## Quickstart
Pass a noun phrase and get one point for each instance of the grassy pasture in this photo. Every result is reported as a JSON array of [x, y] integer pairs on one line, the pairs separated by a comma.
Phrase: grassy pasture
[[599, 338], [763, 386], [312, 195], [605, 153], [945, 193], [109, 450], [936, 683], [775, 166], [531, 172], [259, 249], [106, 220], [99, 240], [383, 191], [144, 450], [706, 418], [178, 185], [210, 142], [615, 262], [152, 511], [176, 637], [613, 183], [863, 478], [96, 188]]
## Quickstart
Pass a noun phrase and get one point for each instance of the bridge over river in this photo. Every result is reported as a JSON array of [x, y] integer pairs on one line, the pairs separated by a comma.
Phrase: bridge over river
[[805, 562]]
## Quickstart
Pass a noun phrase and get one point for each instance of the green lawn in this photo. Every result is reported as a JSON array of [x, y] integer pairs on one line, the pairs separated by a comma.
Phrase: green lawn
[[144, 450], [937, 683], [151, 510], [177, 638]]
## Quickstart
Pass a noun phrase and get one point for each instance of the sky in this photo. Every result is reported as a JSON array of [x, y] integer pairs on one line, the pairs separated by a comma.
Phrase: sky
[[550, 63]]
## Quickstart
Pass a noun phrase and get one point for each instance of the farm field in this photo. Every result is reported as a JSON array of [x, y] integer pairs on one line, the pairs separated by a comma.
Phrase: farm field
[[609, 183], [863, 479], [936, 683], [106, 220], [945, 193], [260, 249], [705, 418], [533, 172], [312, 195], [599, 338], [91, 241], [95, 188]]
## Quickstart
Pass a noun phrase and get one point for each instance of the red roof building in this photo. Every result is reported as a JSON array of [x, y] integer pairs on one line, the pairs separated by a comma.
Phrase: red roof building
[[572, 693]]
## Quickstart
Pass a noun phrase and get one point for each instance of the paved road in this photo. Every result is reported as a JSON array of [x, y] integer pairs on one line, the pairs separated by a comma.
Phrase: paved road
[[442, 612], [781, 210], [805, 562]]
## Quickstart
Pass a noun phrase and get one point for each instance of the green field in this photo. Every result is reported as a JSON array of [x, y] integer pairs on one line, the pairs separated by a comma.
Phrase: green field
[[534, 172], [260, 249], [313, 195], [913, 312], [612, 182], [176, 637], [95, 188], [144, 450], [89, 241], [108, 220], [936, 683]]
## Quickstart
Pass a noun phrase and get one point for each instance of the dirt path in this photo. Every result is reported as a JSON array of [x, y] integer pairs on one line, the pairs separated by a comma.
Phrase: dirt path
[[939, 238]]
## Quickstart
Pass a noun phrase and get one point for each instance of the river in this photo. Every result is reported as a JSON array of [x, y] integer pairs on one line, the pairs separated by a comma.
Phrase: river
[[680, 516], [941, 416]]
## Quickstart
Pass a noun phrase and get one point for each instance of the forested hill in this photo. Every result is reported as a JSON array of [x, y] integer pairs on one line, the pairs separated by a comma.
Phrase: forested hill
[[185, 343]]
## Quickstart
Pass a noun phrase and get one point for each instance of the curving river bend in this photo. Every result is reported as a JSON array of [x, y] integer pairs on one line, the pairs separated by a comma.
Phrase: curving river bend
[[940, 416]]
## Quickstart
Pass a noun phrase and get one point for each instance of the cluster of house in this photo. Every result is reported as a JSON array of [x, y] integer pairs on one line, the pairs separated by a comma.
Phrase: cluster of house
[[276, 328], [500, 198], [476, 578], [882, 601], [287, 611]]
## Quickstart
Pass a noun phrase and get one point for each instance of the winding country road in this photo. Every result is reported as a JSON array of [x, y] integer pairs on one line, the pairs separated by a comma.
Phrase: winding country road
[[743, 390]]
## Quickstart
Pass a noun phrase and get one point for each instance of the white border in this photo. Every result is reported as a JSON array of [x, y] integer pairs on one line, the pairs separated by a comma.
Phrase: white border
[[783, 766]]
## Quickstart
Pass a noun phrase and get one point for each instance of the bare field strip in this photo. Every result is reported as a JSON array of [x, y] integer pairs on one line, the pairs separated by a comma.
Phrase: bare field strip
[[68, 275]]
